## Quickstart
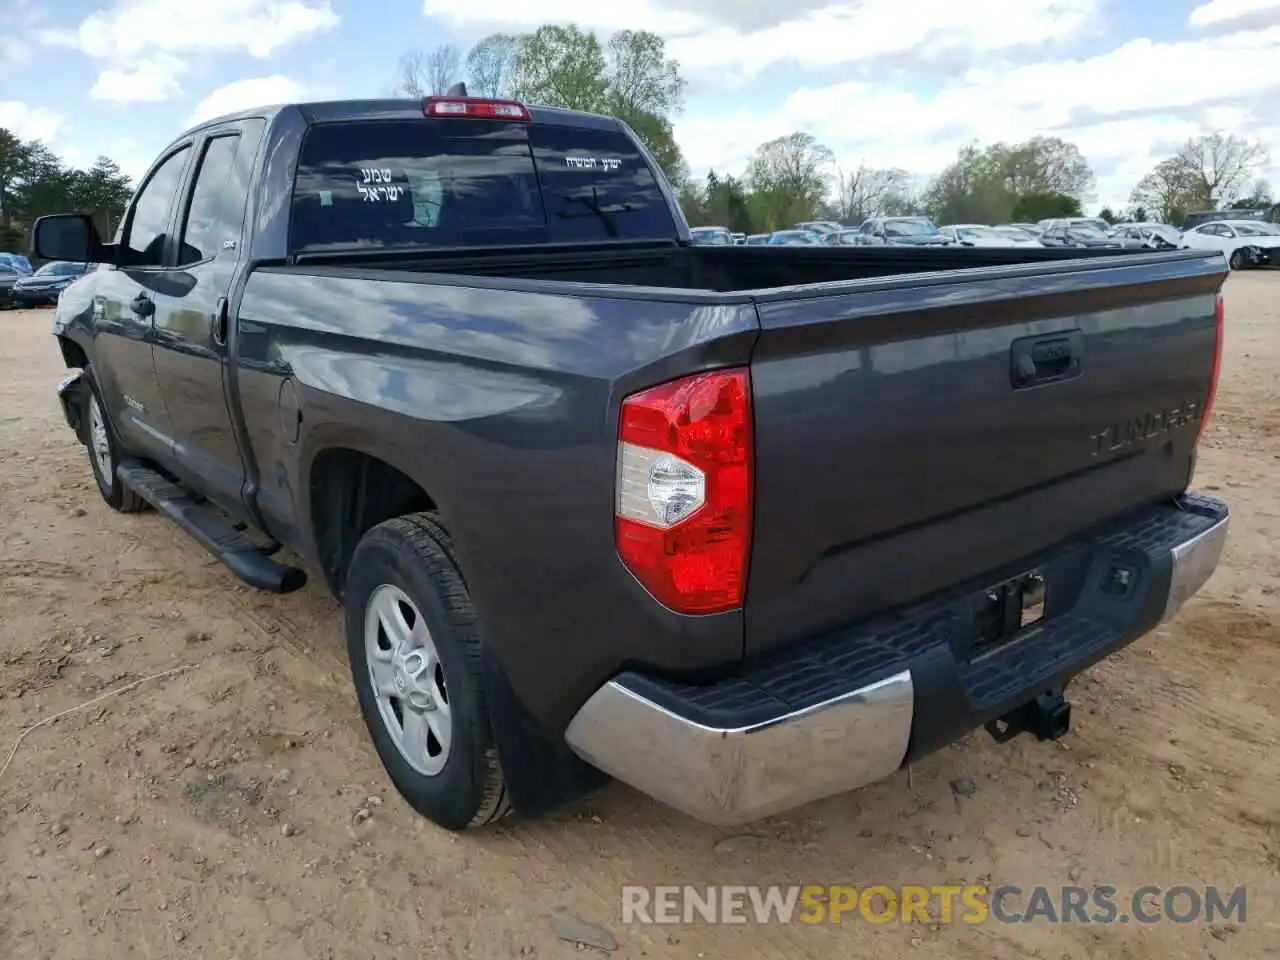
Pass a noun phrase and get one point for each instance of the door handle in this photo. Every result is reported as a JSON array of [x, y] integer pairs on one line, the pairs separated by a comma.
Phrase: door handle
[[1034, 361], [142, 305], [218, 323]]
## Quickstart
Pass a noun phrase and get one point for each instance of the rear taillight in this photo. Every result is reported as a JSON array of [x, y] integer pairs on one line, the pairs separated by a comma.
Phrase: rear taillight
[[683, 508], [1217, 367], [475, 107]]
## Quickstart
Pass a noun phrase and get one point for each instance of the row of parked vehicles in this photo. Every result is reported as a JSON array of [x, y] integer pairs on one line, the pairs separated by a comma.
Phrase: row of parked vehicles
[[22, 286], [1244, 242]]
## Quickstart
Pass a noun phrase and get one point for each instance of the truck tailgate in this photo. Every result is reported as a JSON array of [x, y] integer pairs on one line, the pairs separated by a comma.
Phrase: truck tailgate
[[917, 433]]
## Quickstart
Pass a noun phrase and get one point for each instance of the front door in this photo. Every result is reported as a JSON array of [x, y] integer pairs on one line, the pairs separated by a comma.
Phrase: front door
[[124, 313], [193, 317]]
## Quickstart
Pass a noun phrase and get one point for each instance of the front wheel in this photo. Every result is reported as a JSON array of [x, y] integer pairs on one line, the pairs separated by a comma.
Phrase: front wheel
[[1237, 260], [414, 651], [104, 453]]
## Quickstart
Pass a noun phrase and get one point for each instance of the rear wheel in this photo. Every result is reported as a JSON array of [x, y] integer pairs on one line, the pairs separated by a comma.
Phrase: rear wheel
[[414, 651], [104, 453]]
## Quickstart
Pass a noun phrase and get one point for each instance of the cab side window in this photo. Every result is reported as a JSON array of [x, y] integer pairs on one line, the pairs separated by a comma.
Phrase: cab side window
[[217, 203], [148, 224]]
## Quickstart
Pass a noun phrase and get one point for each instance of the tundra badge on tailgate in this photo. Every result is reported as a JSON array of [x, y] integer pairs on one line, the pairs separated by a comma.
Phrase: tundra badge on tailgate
[[1117, 436]]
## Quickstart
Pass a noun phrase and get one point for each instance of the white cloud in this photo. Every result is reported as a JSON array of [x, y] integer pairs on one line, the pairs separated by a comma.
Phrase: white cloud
[[720, 45], [253, 92], [1121, 108], [162, 39], [31, 123], [516, 15], [154, 79], [923, 29], [1218, 12]]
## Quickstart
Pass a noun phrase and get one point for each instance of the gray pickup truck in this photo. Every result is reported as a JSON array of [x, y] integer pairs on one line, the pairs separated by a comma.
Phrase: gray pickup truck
[[743, 527]]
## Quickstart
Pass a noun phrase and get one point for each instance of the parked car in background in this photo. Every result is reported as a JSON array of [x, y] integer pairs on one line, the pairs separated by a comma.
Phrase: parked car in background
[[1021, 236], [978, 235], [1156, 236], [901, 232], [16, 261], [794, 238], [1080, 235], [711, 237], [10, 274], [45, 285], [738, 238], [824, 227], [1245, 243], [757, 239], [1193, 220], [1034, 229], [1055, 223], [846, 238]]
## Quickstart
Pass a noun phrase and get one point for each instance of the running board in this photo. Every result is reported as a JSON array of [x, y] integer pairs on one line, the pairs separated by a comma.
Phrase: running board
[[211, 530]]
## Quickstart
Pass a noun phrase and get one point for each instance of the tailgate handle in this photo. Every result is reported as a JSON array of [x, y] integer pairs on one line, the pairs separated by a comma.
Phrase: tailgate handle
[[1046, 359]]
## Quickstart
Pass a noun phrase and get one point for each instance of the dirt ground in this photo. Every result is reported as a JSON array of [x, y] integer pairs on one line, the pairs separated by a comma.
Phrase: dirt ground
[[236, 809]]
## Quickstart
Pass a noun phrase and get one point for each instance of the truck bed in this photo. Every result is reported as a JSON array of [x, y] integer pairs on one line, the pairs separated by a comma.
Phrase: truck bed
[[894, 453]]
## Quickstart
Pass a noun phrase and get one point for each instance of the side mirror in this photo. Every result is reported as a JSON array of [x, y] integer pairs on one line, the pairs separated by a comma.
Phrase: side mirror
[[69, 237]]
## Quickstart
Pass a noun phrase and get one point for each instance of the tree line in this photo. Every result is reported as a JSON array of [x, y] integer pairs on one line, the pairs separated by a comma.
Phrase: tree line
[[34, 182], [786, 180]]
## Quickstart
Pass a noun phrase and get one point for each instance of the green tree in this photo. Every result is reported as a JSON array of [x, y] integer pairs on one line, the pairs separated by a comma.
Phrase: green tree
[[491, 65], [1041, 206], [987, 184], [1109, 215], [788, 177], [1042, 165], [1170, 191], [562, 66]]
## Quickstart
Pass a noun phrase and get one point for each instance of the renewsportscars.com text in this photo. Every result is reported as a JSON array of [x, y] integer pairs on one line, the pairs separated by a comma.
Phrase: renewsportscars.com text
[[1004, 903]]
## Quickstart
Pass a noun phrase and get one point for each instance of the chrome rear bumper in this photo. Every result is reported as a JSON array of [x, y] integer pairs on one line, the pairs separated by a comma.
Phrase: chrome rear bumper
[[733, 774]]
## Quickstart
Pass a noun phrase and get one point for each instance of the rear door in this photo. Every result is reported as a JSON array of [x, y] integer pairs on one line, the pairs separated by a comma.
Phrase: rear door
[[915, 432], [124, 308], [192, 316]]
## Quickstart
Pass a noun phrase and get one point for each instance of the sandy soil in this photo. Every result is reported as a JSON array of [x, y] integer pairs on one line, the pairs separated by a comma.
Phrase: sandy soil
[[217, 813]]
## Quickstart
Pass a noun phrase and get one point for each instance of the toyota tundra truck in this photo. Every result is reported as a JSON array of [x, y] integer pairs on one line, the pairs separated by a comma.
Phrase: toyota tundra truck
[[743, 527]]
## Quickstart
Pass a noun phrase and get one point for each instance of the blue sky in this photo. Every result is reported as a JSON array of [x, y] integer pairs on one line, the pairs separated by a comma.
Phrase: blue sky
[[884, 82]]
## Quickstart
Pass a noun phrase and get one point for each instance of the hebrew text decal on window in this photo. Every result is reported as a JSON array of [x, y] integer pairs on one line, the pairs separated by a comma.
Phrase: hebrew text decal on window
[[593, 163]]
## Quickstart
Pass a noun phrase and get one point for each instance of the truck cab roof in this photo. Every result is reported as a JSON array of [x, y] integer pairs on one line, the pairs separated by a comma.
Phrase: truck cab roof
[[392, 108]]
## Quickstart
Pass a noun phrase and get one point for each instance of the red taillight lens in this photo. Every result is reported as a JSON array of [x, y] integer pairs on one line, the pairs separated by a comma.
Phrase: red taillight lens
[[474, 107], [683, 508], [1217, 368]]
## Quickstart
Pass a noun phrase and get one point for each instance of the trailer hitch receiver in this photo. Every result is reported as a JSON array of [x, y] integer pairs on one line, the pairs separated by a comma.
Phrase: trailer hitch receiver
[[1048, 716]]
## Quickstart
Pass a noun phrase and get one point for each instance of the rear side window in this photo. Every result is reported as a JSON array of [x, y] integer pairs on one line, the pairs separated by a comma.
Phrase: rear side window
[[409, 183], [217, 203], [597, 186]]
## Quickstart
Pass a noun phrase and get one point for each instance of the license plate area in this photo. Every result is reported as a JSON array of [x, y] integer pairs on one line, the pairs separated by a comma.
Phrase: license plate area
[[1006, 612]]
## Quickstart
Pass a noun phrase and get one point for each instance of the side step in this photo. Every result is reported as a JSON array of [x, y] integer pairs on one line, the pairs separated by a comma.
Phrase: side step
[[211, 530]]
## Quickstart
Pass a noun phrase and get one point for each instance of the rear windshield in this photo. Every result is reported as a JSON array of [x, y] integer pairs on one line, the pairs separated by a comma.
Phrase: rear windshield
[[411, 183], [910, 228]]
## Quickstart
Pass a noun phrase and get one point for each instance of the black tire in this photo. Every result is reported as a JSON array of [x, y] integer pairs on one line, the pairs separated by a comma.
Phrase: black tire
[[114, 493], [414, 554], [1237, 260]]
